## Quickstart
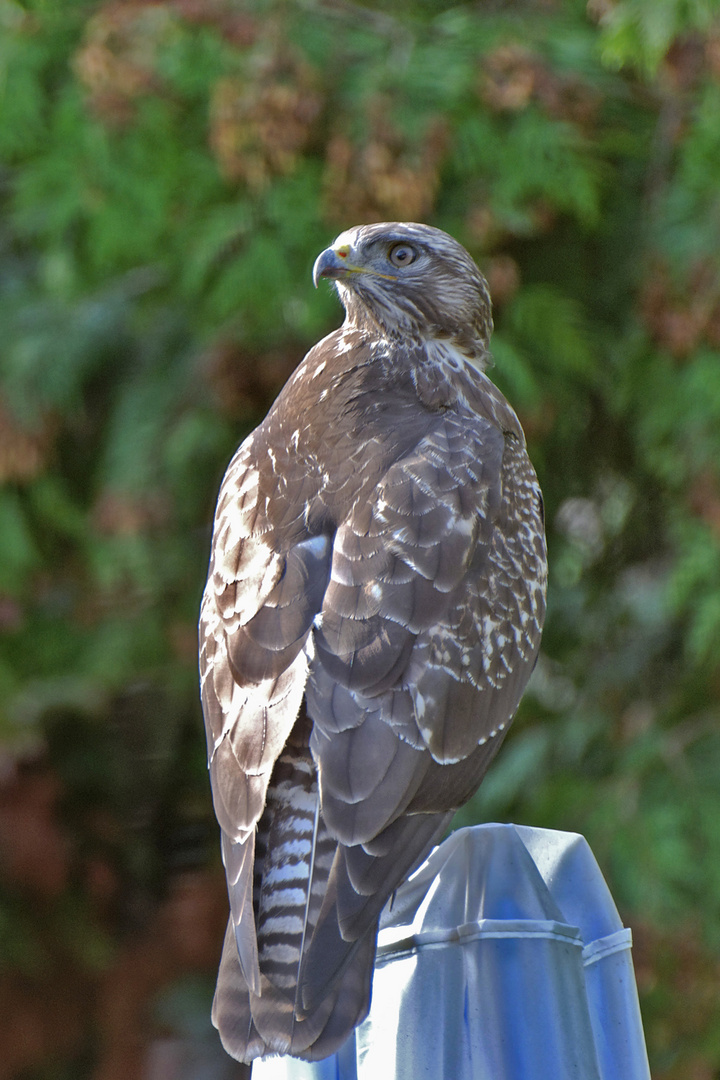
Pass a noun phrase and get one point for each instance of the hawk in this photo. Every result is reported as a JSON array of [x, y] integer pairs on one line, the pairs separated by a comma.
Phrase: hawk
[[373, 611]]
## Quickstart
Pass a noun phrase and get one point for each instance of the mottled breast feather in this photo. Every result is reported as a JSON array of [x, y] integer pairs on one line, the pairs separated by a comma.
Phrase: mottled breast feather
[[373, 611]]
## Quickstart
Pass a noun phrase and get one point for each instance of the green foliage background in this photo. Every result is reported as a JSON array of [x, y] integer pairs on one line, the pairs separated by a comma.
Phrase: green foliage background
[[168, 172]]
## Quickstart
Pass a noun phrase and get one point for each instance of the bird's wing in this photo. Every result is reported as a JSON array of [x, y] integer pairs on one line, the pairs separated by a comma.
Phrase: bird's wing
[[257, 609], [259, 603], [427, 635], [395, 644]]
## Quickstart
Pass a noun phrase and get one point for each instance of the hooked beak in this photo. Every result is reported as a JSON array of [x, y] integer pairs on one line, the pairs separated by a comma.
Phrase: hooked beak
[[334, 263]]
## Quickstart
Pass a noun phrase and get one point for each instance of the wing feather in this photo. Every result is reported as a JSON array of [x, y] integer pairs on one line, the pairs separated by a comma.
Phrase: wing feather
[[257, 610], [404, 566], [239, 861]]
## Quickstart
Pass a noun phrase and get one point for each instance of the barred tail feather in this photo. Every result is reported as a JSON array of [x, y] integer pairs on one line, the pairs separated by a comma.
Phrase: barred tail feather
[[236, 1010], [294, 854]]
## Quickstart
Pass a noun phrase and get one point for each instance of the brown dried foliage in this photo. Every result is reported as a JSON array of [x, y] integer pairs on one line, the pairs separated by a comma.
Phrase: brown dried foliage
[[118, 59], [676, 965], [245, 382], [503, 278], [260, 125], [24, 452], [512, 77], [680, 317], [385, 178], [54, 1005], [120, 514], [116, 63], [184, 936], [235, 25], [704, 499]]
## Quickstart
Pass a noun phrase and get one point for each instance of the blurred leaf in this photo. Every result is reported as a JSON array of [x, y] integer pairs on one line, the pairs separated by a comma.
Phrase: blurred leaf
[[553, 325], [18, 550]]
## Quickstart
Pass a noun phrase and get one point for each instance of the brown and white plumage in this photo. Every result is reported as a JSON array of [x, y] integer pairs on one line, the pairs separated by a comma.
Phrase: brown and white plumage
[[372, 614]]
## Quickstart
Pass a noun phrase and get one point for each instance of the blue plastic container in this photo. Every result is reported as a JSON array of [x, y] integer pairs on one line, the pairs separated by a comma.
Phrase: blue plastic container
[[502, 958]]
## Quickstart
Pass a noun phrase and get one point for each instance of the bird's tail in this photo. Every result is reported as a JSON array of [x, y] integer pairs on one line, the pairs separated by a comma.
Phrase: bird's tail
[[293, 858]]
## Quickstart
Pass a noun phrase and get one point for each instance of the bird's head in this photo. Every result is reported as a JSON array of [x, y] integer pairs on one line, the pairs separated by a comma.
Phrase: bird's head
[[410, 281]]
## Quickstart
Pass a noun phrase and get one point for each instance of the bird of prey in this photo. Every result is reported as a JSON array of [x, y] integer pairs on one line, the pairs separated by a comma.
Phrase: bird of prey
[[373, 611]]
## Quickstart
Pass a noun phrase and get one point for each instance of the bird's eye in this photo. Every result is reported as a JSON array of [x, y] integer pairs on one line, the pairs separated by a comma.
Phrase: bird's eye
[[402, 255]]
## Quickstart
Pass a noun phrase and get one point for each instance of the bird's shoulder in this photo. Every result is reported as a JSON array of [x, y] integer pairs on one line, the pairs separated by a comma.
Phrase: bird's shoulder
[[353, 409]]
